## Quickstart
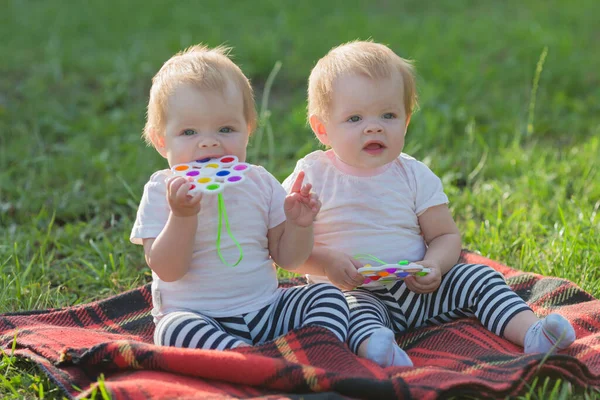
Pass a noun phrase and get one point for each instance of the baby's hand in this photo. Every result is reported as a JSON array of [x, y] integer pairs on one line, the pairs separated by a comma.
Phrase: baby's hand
[[425, 284], [182, 204], [301, 206], [342, 271]]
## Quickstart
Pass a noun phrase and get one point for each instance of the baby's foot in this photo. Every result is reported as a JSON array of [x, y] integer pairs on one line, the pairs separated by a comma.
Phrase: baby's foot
[[554, 331], [383, 350]]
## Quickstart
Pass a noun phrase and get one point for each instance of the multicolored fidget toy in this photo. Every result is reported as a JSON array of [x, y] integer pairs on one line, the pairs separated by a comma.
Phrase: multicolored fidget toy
[[212, 176], [389, 272]]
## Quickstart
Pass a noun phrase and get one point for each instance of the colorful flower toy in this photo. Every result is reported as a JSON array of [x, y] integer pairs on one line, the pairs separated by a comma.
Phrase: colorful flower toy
[[389, 272], [212, 176]]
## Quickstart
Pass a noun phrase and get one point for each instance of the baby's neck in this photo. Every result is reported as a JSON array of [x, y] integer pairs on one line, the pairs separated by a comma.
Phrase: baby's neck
[[354, 171]]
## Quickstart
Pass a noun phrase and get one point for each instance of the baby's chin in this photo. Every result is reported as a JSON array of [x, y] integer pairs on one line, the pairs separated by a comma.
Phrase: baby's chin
[[373, 165], [240, 157], [371, 161]]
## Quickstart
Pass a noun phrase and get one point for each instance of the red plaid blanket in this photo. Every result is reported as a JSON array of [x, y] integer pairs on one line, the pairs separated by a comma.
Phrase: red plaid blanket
[[112, 337]]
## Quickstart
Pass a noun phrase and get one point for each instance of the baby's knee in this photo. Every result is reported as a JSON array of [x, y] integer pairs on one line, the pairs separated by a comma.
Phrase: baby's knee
[[490, 273], [328, 293], [329, 290], [480, 272]]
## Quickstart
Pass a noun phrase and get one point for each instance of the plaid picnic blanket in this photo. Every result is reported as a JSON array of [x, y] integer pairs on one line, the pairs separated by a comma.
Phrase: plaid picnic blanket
[[113, 337]]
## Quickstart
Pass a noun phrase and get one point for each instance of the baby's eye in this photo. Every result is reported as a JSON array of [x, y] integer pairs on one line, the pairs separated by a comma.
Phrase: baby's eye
[[226, 129], [354, 118], [188, 132], [389, 116]]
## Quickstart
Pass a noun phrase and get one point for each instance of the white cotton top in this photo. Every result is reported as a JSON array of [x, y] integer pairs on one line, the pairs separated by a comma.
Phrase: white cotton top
[[370, 212], [211, 287]]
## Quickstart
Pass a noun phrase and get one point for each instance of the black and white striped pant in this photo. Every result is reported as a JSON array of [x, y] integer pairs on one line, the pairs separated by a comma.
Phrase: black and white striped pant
[[319, 304], [467, 290]]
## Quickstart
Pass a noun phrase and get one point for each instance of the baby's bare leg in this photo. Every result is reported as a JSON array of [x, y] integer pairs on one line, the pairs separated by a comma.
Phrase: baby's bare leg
[[518, 326]]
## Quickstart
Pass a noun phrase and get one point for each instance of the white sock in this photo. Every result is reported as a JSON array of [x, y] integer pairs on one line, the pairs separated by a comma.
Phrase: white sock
[[552, 332], [384, 351]]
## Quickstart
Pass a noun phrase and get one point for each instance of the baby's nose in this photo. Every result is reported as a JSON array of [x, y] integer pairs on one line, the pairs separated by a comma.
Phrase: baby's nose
[[208, 142], [374, 129]]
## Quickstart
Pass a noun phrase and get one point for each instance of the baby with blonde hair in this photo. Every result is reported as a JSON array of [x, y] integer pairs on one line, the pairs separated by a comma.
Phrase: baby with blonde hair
[[379, 201], [201, 106], [203, 68]]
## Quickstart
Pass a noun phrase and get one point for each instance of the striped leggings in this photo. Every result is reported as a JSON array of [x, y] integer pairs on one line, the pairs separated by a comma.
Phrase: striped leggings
[[467, 290], [319, 304]]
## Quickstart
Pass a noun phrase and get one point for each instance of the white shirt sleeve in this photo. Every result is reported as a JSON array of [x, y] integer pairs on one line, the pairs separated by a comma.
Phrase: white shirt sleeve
[[429, 190], [153, 212]]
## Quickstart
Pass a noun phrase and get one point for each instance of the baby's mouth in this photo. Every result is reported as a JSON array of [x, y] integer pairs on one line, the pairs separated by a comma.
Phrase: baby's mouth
[[374, 147], [208, 156]]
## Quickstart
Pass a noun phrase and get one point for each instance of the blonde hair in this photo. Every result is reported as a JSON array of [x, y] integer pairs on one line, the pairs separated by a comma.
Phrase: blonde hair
[[205, 68], [359, 57]]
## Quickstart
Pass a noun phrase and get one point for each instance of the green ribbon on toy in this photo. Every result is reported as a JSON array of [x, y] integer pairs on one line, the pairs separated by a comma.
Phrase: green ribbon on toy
[[223, 215], [373, 258]]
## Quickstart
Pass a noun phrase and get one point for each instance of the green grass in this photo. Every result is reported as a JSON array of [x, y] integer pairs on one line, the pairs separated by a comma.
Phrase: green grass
[[510, 127]]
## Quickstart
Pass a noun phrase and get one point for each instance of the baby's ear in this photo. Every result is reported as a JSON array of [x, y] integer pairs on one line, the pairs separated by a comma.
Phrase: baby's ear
[[158, 141], [318, 128], [407, 122]]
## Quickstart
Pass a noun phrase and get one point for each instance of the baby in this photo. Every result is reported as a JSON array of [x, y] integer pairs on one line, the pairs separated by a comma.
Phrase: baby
[[201, 106], [380, 201]]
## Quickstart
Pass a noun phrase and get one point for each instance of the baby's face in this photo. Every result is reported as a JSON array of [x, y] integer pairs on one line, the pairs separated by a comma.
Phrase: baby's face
[[204, 123], [367, 121]]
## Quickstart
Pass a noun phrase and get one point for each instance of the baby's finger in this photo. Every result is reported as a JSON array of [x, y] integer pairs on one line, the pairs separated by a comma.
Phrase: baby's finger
[[418, 287], [425, 280], [195, 199], [297, 185], [313, 198], [410, 283], [357, 264], [174, 189], [358, 280], [174, 183], [305, 191], [292, 198], [302, 199], [355, 277], [351, 283], [183, 190]]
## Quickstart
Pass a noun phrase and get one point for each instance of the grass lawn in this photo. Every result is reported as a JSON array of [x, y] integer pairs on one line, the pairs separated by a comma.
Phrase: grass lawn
[[509, 119]]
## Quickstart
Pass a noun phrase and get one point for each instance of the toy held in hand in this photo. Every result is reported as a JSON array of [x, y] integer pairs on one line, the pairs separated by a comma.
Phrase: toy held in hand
[[212, 175], [389, 272]]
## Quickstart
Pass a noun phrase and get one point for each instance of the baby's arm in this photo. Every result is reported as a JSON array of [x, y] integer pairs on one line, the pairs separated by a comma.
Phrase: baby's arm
[[443, 248], [291, 242], [290, 245], [338, 267], [442, 237], [170, 253], [317, 262]]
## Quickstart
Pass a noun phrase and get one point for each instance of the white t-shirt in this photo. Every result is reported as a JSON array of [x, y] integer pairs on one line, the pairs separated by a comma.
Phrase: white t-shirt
[[372, 213], [211, 287]]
